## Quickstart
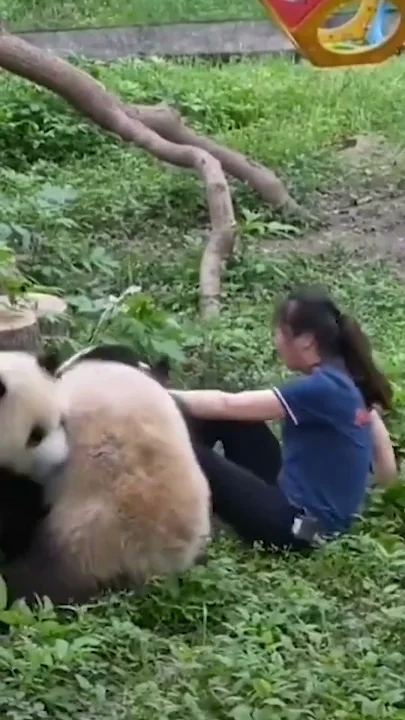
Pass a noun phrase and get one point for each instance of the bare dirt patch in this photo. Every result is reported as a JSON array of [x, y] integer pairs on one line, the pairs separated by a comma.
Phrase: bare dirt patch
[[368, 221]]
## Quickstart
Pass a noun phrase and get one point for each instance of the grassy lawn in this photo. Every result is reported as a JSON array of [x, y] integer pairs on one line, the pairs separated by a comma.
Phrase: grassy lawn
[[43, 14], [249, 636]]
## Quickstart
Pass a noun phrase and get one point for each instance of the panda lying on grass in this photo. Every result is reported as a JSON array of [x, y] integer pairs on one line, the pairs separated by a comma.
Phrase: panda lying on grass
[[100, 486]]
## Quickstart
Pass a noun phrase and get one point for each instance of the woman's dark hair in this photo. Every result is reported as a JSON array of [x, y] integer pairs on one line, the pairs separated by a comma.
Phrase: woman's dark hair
[[310, 309]]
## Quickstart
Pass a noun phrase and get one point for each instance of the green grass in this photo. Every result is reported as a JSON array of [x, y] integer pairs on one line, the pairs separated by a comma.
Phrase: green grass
[[41, 14], [249, 636], [27, 14]]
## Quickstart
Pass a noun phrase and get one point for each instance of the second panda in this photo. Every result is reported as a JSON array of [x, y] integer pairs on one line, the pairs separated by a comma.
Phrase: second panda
[[133, 501]]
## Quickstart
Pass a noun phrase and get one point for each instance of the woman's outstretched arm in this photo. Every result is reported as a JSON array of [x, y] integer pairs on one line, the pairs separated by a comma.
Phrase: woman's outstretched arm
[[385, 466], [217, 405]]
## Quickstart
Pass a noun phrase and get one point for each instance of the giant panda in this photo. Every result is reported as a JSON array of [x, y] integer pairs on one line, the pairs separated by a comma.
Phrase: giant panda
[[130, 503], [160, 370]]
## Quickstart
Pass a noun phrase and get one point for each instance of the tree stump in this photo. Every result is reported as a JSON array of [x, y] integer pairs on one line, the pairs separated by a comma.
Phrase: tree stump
[[19, 329], [50, 311], [23, 323]]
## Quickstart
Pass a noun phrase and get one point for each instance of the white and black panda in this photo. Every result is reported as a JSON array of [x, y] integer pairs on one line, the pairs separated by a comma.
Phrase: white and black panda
[[132, 501]]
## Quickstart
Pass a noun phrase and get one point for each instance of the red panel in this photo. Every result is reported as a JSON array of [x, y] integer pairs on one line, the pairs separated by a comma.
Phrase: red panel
[[291, 12]]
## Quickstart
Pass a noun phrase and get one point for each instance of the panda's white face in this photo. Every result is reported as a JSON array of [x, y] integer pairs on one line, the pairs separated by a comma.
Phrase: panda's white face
[[33, 439]]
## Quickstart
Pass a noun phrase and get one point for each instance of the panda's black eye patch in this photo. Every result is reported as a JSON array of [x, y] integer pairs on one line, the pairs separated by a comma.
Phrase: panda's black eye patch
[[36, 436]]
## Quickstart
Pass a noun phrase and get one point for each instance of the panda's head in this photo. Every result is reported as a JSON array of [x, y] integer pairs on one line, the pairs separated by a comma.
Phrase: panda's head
[[33, 439]]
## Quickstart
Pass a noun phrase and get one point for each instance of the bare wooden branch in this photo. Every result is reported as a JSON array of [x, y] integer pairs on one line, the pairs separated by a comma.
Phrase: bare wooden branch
[[89, 98], [160, 131], [168, 122]]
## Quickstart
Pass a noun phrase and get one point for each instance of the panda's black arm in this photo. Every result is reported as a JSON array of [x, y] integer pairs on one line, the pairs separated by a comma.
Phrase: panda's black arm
[[116, 352], [43, 571]]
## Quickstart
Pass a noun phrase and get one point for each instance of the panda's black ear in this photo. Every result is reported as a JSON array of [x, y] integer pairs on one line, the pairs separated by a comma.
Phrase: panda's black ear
[[3, 389], [49, 361]]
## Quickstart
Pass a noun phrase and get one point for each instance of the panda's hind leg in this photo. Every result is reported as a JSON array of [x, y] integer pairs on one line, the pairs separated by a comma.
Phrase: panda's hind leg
[[98, 542]]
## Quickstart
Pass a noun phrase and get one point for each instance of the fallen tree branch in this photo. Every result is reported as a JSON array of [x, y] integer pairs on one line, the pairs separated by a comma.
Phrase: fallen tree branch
[[89, 98], [168, 123]]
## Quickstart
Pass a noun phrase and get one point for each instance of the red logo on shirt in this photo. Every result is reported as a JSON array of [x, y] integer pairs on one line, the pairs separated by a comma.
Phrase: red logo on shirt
[[362, 417]]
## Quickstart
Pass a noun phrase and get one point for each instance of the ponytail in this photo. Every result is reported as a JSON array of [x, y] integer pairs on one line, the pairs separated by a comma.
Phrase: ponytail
[[357, 354]]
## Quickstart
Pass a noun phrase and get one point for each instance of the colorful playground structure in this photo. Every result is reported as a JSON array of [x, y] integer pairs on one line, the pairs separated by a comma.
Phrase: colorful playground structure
[[365, 39]]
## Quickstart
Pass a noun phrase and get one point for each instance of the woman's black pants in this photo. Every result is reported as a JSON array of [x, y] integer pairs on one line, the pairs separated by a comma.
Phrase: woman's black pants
[[243, 482]]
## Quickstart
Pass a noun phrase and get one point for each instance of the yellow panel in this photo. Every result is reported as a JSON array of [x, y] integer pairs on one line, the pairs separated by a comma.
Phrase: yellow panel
[[354, 29], [307, 38]]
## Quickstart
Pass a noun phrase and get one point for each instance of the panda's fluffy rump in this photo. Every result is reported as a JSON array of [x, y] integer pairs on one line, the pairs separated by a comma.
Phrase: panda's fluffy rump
[[134, 501]]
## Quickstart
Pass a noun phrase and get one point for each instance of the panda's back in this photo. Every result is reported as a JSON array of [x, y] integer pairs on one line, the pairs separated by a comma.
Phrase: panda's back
[[124, 421], [133, 488]]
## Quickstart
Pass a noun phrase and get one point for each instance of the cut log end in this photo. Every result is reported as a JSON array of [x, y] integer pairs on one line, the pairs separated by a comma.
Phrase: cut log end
[[50, 311], [19, 330], [23, 324]]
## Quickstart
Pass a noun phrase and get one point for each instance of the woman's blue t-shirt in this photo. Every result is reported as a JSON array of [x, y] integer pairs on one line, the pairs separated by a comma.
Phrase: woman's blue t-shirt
[[327, 446]]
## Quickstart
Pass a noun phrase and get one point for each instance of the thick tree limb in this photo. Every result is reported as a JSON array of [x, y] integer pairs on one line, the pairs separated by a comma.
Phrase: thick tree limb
[[168, 122], [92, 100]]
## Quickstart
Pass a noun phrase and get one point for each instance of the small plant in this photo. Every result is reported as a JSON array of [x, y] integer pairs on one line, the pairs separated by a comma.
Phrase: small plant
[[135, 319], [12, 283]]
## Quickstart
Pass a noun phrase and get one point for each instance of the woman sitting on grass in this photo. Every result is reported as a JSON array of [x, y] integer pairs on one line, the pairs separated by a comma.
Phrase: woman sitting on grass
[[332, 433]]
